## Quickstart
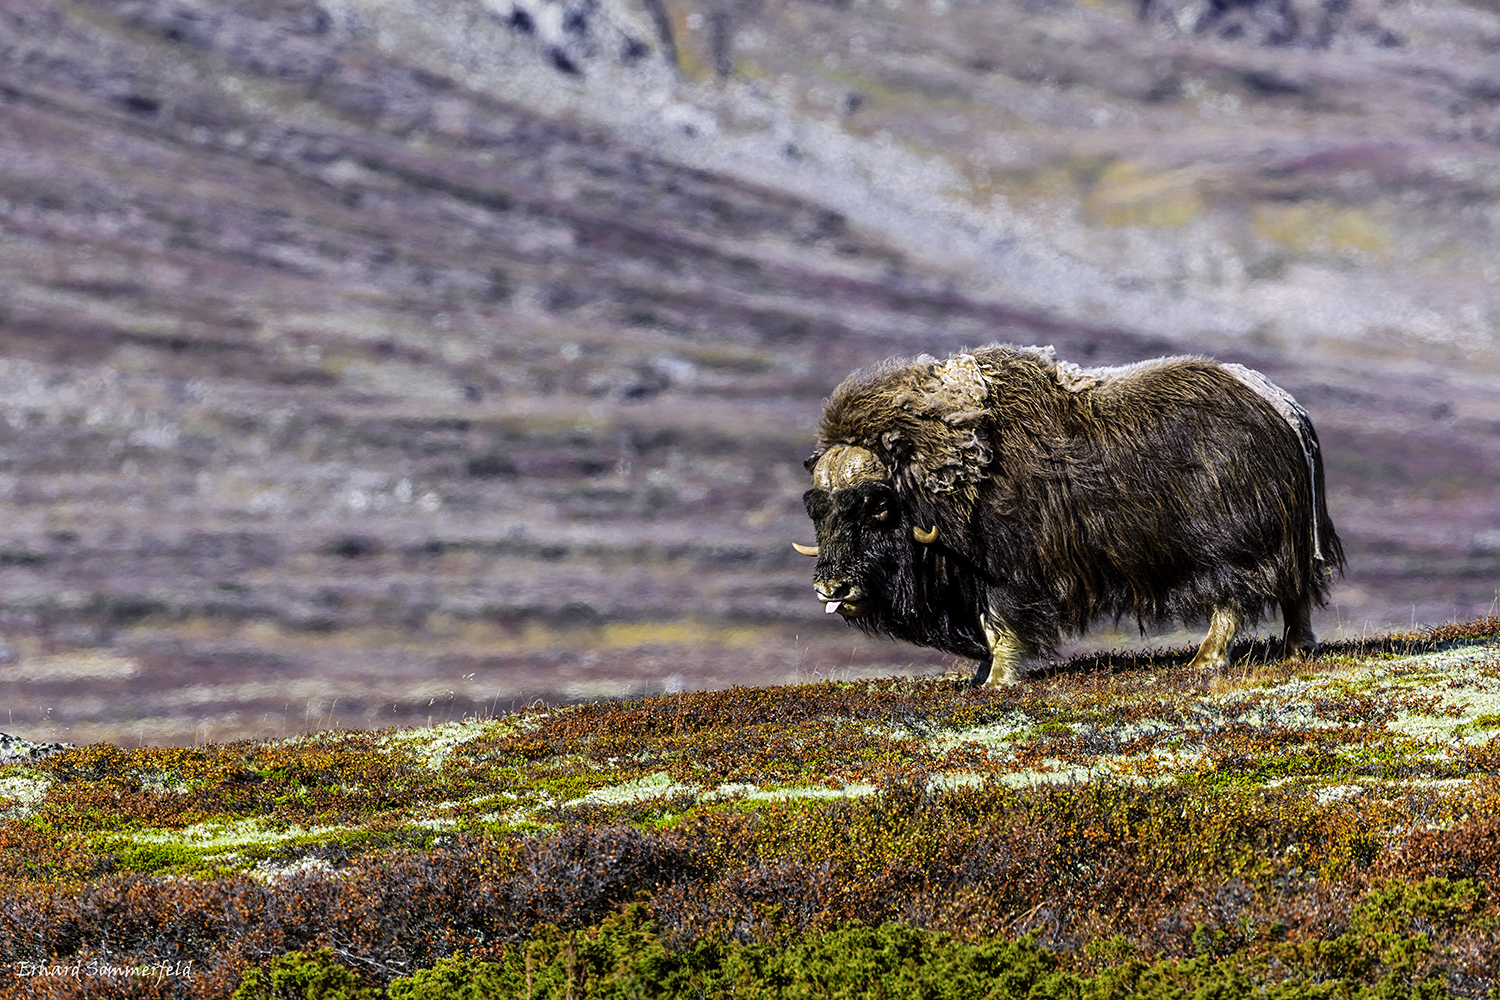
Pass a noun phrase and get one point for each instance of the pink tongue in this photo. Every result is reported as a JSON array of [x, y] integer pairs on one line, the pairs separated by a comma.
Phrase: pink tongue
[[831, 607]]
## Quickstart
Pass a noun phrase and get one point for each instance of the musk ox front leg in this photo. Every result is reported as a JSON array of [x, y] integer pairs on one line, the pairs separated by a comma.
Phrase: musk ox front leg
[[1007, 653], [1214, 653]]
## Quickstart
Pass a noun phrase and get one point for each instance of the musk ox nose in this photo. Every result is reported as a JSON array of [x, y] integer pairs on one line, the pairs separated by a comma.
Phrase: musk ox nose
[[835, 590], [836, 595]]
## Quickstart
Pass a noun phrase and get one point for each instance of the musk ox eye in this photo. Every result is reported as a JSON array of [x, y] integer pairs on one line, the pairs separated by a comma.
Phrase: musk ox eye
[[877, 507]]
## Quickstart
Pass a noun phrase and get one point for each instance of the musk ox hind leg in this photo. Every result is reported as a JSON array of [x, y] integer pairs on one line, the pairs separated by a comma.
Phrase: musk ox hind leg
[[1007, 653], [1297, 639], [1214, 653]]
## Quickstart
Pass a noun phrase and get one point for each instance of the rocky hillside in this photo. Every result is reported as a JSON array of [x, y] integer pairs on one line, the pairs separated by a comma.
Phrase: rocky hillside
[[384, 361]]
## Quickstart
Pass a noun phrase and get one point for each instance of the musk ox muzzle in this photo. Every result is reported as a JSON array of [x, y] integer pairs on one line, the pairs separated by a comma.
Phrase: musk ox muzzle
[[989, 503], [850, 472]]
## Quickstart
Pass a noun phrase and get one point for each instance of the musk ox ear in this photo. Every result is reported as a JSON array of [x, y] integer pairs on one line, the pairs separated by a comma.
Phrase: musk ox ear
[[812, 461], [896, 444]]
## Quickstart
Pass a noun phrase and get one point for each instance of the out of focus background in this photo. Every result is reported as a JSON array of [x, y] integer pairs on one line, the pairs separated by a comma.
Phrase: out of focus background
[[371, 362]]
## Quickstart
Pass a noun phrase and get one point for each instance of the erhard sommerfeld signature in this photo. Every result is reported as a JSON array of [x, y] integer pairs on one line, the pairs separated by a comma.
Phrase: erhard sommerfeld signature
[[99, 967]]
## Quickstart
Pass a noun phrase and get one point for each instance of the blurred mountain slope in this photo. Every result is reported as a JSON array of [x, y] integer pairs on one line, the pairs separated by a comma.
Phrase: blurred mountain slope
[[371, 362]]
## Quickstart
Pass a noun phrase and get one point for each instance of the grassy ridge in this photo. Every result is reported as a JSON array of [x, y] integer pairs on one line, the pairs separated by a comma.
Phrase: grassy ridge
[[1285, 825]]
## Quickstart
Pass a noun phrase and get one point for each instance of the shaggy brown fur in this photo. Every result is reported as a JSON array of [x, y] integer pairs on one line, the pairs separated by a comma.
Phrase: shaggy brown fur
[[1172, 489]]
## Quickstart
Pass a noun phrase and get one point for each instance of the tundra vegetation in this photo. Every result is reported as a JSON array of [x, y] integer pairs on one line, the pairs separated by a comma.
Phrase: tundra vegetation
[[1114, 825]]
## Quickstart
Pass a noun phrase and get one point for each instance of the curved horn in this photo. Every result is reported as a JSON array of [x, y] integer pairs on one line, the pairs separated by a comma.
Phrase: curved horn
[[807, 550], [926, 537], [847, 465]]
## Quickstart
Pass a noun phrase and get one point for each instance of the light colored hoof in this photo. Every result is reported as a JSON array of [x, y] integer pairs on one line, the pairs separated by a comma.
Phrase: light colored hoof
[[1007, 654], [1214, 653], [986, 675], [1216, 661]]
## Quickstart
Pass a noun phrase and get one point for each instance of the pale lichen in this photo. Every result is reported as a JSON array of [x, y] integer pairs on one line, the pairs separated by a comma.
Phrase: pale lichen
[[19, 794]]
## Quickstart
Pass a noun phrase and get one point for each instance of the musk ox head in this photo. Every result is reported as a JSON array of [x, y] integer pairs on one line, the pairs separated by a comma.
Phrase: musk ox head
[[864, 538]]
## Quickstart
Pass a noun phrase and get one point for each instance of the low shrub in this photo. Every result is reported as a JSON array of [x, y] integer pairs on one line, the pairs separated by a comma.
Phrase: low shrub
[[301, 975]]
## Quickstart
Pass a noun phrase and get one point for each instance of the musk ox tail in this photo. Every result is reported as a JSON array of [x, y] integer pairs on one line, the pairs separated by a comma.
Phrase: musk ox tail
[[1327, 550]]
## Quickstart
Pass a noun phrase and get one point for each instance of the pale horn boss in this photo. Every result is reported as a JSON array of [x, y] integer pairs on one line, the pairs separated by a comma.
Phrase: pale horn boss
[[990, 503]]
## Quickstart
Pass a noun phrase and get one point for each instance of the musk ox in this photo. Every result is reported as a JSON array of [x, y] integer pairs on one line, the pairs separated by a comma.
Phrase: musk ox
[[989, 503]]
